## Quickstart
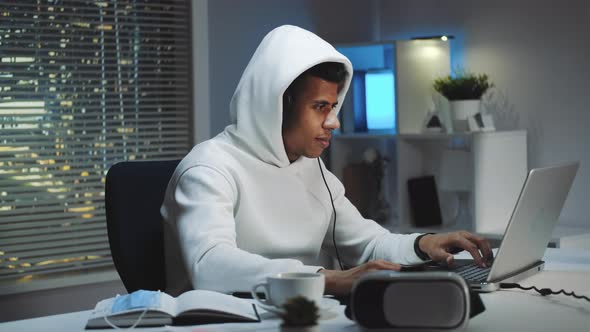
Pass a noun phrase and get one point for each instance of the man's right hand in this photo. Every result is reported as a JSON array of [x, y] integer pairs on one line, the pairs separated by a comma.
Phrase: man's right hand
[[340, 282]]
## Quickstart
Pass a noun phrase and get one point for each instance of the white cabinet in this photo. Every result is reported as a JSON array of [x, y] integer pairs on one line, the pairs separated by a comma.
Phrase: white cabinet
[[480, 174]]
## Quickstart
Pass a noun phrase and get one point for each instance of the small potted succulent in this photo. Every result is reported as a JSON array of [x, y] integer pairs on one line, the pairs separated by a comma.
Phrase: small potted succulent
[[464, 92], [300, 314]]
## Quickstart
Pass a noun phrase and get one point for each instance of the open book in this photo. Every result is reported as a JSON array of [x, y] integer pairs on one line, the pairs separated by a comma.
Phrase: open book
[[190, 308]]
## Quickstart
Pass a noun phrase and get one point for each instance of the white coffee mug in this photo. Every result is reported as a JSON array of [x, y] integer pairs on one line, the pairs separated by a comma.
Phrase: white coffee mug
[[279, 288]]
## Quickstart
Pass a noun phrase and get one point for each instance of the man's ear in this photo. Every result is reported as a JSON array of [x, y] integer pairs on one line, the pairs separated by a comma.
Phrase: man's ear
[[287, 108], [287, 100]]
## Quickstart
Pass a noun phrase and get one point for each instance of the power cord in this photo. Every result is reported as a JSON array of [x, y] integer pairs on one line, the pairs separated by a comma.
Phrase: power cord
[[334, 209], [543, 291]]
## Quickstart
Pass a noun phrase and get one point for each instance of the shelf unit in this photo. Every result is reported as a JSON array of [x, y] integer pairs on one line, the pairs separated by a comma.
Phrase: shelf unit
[[494, 166]]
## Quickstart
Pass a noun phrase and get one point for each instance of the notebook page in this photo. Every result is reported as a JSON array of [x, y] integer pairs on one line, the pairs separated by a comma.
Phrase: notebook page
[[209, 300]]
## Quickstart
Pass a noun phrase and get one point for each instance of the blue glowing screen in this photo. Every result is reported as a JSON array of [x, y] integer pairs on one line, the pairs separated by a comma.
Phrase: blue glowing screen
[[380, 100]]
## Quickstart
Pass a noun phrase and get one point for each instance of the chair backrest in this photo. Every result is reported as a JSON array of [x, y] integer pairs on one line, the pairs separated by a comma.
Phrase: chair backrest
[[134, 192]]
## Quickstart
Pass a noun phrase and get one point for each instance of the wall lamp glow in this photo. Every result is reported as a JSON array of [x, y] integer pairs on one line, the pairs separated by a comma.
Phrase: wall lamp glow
[[441, 37]]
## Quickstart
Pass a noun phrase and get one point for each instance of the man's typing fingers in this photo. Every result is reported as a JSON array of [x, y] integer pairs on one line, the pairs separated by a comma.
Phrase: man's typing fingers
[[483, 245], [471, 247]]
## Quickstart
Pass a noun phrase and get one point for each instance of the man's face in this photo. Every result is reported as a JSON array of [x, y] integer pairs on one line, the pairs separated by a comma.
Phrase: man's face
[[308, 127]]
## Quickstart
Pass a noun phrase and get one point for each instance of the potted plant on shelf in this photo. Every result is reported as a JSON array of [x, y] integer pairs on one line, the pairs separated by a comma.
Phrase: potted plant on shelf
[[300, 314], [464, 92]]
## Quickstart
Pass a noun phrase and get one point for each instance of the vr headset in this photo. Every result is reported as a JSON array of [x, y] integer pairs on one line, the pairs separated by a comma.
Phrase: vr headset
[[412, 301]]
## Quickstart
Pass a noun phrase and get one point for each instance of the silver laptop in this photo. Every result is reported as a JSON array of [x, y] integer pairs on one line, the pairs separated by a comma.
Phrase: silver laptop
[[528, 232]]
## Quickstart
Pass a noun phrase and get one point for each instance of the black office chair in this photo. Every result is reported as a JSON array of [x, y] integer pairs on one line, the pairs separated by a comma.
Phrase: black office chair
[[134, 193]]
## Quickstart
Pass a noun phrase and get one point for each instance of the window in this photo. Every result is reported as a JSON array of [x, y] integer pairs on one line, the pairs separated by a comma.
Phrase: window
[[83, 85]]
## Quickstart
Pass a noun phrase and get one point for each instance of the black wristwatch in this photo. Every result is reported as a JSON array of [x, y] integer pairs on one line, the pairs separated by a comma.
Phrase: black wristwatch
[[421, 254]]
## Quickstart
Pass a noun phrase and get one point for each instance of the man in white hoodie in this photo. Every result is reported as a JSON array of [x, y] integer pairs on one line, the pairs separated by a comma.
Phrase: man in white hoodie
[[257, 200]]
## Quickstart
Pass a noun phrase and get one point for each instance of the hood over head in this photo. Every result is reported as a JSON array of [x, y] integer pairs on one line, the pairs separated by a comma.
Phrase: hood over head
[[256, 107]]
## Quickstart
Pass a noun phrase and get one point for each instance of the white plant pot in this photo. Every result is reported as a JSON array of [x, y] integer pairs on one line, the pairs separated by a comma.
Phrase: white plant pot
[[461, 110]]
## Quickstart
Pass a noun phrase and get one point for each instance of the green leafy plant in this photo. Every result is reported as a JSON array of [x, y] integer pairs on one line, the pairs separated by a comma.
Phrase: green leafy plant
[[299, 311], [463, 86]]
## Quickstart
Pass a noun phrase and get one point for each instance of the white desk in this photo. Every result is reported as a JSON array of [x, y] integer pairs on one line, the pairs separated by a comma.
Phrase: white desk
[[506, 310]]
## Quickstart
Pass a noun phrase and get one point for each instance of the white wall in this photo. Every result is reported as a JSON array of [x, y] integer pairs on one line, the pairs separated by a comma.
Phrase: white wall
[[537, 54], [534, 50], [235, 30], [237, 27]]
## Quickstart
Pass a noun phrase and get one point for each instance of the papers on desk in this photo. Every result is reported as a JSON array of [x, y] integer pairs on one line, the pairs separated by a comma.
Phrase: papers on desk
[[190, 308]]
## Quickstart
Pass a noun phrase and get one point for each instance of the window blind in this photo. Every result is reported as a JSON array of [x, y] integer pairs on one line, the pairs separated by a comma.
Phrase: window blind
[[83, 85]]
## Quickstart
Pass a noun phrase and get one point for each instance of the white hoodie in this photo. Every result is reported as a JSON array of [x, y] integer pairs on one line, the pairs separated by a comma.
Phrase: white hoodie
[[236, 210]]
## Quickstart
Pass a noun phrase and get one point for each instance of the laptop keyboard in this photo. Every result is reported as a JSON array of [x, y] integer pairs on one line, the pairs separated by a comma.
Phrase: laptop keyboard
[[472, 272]]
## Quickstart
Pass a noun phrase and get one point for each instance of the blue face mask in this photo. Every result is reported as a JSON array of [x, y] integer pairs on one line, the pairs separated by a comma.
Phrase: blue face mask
[[138, 299]]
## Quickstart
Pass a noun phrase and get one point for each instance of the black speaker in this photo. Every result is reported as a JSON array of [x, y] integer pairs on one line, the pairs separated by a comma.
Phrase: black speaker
[[424, 204], [411, 301]]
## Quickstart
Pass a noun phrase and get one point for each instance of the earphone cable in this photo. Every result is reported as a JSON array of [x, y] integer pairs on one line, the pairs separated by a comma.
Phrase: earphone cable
[[334, 209]]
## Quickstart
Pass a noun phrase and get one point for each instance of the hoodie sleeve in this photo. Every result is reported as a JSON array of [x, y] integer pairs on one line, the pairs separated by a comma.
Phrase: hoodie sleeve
[[204, 201], [360, 240]]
